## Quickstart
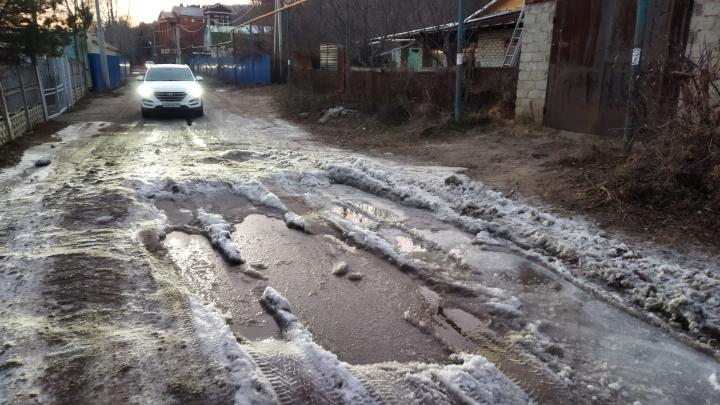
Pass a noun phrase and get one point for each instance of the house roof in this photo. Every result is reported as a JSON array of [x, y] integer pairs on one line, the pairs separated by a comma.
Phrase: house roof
[[188, 11], [217, 8], [166, 15], [500, 19]]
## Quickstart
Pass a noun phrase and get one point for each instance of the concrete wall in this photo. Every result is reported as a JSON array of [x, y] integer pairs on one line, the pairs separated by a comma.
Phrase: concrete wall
[[491, 47], [535, 60], [704, 26]]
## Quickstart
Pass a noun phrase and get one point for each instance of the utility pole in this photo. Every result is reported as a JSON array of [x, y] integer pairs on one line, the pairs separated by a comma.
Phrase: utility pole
[[347, 45], [177, 43], [287, 46], [631, 114], [154, 44], [281, 34], [101, 46], [460, 72]]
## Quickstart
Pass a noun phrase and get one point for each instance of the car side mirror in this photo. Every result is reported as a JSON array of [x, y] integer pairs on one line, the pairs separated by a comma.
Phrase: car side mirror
[[140, 78], [199, 78]]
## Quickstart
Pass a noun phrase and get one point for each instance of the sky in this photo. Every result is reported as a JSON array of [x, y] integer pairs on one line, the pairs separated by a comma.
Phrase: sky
[[148, 10]]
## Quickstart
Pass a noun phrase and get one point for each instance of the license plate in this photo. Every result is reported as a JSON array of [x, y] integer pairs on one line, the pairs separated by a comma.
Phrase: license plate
[[171, 105]]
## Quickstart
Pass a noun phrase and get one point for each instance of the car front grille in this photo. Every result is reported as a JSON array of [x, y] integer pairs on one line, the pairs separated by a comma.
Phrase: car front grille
[[166, 96]]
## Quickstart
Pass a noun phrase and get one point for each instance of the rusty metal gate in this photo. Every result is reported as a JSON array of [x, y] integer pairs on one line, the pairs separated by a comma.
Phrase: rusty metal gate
[[590, 61]]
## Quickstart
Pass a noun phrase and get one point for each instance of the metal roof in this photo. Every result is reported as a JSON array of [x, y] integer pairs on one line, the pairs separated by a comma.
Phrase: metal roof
[[487, 21], [166, 15], [188, 11]]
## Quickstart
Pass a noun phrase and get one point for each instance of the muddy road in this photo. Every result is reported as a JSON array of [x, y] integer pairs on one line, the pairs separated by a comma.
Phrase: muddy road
[[231, 259]]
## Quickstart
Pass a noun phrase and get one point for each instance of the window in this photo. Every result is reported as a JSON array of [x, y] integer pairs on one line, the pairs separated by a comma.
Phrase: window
[[170, 74]]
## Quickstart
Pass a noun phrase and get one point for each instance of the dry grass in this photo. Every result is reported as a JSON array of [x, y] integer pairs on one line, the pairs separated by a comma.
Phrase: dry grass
[[675, 170]]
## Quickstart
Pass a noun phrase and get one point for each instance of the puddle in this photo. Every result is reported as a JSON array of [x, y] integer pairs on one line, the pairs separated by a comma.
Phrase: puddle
[[377, 212], [529, 276], [354, 216], [605, 352], [352, 319], [180, 208]]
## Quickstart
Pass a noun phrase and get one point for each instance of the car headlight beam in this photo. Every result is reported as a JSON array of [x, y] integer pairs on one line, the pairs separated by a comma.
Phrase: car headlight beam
[[195, 91]]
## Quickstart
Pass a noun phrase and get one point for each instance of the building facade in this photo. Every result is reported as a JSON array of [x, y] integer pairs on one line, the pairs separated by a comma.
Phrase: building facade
[[188, 29]]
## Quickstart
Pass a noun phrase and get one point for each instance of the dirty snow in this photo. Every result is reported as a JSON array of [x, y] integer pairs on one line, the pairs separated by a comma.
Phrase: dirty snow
[[258, 194], [294, 221], [334, 373], [475, 380], [218, 231], [216, 339], [713, 379], [685, 292]]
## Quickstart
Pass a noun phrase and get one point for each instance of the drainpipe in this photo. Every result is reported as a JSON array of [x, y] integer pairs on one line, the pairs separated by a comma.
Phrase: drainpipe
[[631, 114], [459, 73]]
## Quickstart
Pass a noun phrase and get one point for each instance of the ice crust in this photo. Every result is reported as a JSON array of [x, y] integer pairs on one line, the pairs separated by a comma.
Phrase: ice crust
[[685, 292]]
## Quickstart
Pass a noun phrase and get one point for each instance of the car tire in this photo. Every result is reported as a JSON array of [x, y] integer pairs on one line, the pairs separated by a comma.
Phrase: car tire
[[199, 112]]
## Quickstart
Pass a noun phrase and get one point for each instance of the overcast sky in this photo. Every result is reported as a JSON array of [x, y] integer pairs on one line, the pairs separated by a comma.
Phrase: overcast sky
[[148, 10]]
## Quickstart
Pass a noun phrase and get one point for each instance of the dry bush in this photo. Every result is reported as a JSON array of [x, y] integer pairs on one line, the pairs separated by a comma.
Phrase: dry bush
[[678, 166]]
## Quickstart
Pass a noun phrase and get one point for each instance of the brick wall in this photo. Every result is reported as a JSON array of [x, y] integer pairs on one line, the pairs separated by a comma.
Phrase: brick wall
[[535, 60], [491, 47], [704, 26]]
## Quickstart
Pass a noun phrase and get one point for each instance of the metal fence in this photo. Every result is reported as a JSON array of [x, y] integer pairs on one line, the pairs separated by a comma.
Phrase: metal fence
[[249, 70], [32, 94]]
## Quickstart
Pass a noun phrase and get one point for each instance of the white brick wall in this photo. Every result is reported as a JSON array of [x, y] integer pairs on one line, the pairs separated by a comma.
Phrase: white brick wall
[[534, 61], [704, 26], [491, 47]]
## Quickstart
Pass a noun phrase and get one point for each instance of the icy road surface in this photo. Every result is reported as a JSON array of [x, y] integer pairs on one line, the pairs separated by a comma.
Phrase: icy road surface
[[232, 260]]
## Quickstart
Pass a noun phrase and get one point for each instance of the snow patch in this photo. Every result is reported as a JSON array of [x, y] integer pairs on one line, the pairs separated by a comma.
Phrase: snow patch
[[685, 290], [294, 221], [336, 375], [218, 231], [258, 194], [476, 380], [713, 379], [217, 340]]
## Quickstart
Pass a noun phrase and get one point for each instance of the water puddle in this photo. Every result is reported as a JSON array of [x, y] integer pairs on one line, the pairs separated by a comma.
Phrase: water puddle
[[352, 319], [601, 350], [382, 214], [354, 216]]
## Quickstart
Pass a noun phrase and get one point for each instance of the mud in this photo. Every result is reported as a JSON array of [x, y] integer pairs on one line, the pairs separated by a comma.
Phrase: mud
[[111, 292]]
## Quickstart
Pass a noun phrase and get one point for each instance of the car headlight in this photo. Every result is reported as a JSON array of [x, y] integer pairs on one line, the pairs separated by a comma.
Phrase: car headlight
[[195, 90], [145, 91]]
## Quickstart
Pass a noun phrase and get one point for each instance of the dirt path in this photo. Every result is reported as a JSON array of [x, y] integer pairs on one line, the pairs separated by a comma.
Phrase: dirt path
[[115, 284]]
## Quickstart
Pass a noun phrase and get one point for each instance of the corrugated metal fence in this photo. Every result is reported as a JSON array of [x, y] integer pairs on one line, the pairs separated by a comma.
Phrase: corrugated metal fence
[[251, 70], [118, 70]]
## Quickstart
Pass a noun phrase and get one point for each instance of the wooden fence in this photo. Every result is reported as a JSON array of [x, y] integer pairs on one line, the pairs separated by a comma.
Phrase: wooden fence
[[373, 89]]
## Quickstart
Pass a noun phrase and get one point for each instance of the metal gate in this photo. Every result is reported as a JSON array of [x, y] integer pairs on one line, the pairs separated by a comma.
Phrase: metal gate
[[55, 77], [590, 60]]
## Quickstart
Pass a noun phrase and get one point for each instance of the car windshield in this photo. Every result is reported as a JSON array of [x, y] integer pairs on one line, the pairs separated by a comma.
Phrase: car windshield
[[169, 75]]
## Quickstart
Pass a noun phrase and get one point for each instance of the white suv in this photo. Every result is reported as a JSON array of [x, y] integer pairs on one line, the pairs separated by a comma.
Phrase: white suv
[[170, 88]]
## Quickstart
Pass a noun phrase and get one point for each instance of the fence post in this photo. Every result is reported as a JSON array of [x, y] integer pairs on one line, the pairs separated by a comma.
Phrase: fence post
[[42, 91], [24, 98], [6, 114]]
